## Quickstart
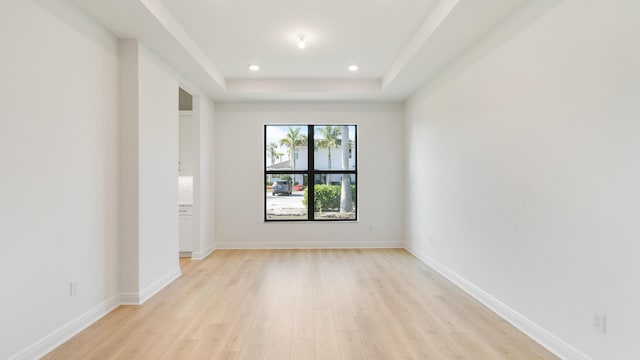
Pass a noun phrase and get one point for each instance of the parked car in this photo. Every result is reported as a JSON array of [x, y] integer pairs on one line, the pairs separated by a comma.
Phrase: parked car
[[282, 187]]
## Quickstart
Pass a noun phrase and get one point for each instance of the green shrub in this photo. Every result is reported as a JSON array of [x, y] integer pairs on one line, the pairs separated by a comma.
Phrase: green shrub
[[327, 197]]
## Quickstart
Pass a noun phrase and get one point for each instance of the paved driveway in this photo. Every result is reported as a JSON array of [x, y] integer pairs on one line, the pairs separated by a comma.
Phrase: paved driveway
[[285, 205]]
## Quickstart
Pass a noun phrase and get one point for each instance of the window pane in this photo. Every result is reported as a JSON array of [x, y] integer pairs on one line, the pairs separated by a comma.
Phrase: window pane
[[286, 147], [337, 200], [329, 154], [285, 196]]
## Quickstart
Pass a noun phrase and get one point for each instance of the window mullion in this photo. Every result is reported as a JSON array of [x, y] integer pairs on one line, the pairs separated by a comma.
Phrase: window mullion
[[310, 173]]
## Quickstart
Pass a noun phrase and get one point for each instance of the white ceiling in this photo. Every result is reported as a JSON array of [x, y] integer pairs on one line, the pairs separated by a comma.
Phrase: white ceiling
[[234, 34], [399, 45]]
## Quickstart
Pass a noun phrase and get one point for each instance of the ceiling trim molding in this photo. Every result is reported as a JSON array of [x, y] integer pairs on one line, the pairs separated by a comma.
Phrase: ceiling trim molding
[[437, 16], [450, 29], [173, 27], [301, 85]]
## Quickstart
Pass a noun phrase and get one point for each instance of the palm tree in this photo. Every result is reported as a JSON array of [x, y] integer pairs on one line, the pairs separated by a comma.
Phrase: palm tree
[[279, 156], [346, 201], [331, 138], [291, 140], [272, 149]]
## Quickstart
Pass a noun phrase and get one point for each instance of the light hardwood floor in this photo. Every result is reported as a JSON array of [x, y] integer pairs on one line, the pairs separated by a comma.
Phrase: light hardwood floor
[[304, 304]]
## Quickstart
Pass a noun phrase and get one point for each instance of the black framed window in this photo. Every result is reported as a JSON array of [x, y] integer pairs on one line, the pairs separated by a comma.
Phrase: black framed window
[[311, 172]]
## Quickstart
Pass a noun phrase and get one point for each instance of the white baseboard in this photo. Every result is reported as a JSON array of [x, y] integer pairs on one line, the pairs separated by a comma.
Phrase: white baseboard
[[161, 283], [58, 337], [202, 254], [536, 332], [185, 254], [311, 245], [129, 299], [55, 339], [531, 329]]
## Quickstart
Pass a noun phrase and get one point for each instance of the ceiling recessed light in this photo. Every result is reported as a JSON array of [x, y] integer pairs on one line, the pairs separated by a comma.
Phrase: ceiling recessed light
[[254, 67], [353, 67], [301, 41]]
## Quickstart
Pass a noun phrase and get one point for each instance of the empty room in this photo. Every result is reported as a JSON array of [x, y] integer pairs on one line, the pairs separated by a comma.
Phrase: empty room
[[357, 179]]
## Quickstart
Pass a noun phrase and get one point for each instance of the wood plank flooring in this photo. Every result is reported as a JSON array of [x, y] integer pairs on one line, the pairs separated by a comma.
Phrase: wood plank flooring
[[304, 304]]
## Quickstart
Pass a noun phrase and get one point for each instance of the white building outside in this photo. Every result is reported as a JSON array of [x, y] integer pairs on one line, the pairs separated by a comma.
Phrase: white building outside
[[321, 160]]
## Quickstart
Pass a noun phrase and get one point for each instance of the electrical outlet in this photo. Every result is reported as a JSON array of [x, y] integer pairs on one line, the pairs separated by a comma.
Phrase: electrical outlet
[[73, 288], [600, 323], [431, 239]]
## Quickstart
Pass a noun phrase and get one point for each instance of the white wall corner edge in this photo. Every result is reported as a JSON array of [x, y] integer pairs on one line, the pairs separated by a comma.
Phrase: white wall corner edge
[[69, 330], [202, 254], [531, 329]]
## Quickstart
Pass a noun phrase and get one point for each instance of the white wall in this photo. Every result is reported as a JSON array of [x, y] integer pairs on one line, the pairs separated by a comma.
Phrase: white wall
[[239, 177], [522, 165], [158, 172], [149, 173], [204, 110], [89, 146], [129, 163], [59, 156]]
